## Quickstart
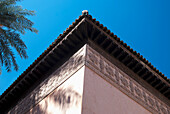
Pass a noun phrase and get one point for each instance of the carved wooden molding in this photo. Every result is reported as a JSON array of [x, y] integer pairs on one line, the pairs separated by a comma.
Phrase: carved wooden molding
[[123, 82]]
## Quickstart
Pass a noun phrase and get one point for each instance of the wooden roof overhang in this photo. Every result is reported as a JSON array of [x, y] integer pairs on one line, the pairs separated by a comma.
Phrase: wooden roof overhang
[[84, 29]]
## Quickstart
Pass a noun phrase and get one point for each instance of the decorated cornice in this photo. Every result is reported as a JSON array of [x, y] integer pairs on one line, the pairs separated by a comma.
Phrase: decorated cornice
[[84, 30], [123, 82], [51, 83], [108, 71]]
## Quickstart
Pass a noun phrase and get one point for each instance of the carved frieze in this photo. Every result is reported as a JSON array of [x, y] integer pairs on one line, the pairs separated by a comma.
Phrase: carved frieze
[[124, 82], [51, 83], [92, 59]]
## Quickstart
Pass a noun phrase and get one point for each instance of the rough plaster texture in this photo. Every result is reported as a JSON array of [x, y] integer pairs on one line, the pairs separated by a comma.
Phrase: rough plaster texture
[[66, 99], [100, 97]]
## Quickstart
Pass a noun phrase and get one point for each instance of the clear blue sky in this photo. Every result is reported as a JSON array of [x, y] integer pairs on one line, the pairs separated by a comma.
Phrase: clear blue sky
[[142, 24]]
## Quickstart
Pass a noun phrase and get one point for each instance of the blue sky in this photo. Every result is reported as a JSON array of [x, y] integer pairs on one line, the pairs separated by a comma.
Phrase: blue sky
[[142, 24]]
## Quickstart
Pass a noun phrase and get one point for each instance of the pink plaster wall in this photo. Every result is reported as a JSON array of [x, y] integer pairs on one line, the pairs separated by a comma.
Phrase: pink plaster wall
[[100, 97], [66, 99], [87, 93]]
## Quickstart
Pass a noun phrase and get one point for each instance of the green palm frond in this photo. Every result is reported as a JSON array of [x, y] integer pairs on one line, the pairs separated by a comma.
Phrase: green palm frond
[[12, 23]]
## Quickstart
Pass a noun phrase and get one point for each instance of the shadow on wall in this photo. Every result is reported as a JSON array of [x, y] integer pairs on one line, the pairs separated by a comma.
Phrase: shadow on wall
[[59, 101]]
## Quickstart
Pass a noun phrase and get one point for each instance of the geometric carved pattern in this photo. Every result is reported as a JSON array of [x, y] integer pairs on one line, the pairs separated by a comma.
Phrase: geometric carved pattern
[[125, 83], [51, 83], [92, 59]]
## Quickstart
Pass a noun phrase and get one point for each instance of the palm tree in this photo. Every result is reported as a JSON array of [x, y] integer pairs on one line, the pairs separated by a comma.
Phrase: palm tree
[[13, 22]]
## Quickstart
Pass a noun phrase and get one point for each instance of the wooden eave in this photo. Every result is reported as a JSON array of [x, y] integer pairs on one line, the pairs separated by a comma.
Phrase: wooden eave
[[84, 28]]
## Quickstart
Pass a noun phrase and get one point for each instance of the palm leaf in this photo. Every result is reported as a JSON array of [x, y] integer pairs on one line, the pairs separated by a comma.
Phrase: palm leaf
[[13, 22]]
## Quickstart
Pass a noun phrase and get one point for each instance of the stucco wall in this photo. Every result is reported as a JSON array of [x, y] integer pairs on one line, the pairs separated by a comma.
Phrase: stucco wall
[[88, 92], [66, 99], [100, 97]]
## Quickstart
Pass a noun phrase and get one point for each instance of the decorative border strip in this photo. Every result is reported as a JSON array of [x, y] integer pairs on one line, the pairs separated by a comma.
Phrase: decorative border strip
[[123, 82], [89, 57], [51, 83]]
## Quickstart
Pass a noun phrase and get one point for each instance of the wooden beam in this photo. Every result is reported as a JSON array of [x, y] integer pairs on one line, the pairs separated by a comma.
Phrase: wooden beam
[[45, 63], [136, 65], [79, 34], [126, 59], [41, 68], [163, 87], [93, 33], [159, 84], [33, 77], [140, 70], [130, 63], [120, 54], [114, 50], [146, 73], [109, 46], [50, 60], [102, 44], [154, 80], [124, 55], [55, 56], [59, 52], [65, 47], [25, 82], [149, 77], [85, 29], [37, 72], [29, 80], [74, 35], [97, 37], [165, 92]]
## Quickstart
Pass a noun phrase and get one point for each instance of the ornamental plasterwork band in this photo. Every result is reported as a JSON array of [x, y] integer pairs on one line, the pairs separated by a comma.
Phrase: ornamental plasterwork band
[[89, 57], [123, 82], [51, 83]]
